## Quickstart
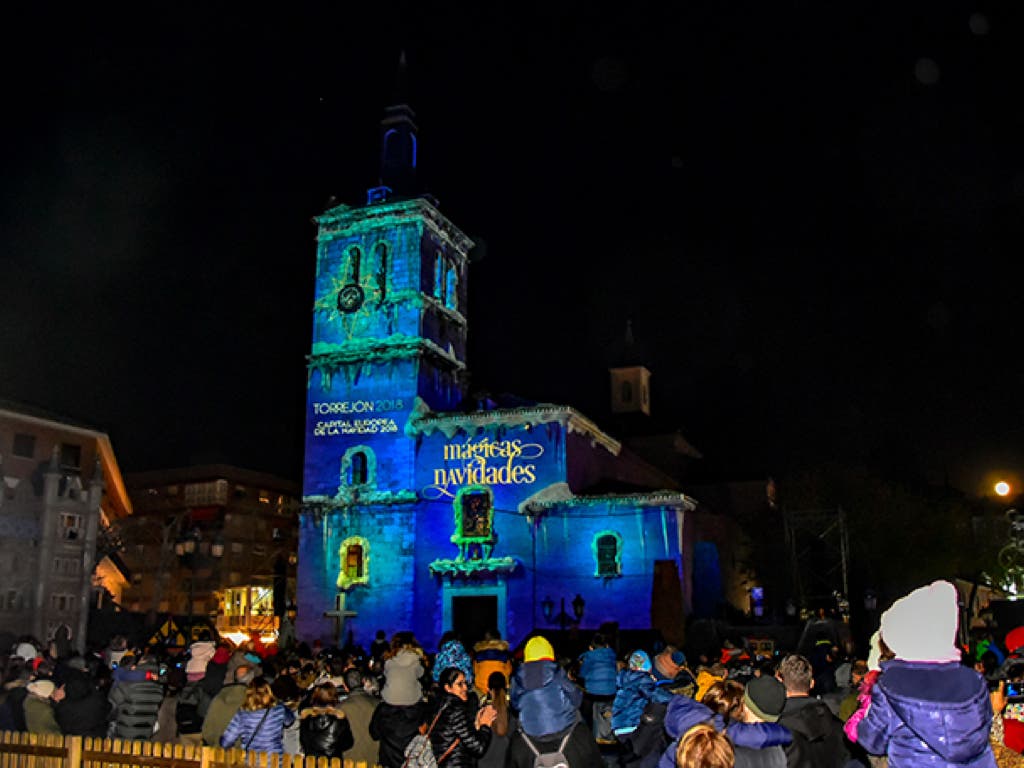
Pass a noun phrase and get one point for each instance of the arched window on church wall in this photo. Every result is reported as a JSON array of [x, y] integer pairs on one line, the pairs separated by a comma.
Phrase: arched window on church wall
[[451, 287], [354, 562], [607, 547], [439, 277]]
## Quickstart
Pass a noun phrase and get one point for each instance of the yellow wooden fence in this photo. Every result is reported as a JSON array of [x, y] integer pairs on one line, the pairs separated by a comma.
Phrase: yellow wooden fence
[[30, 750]]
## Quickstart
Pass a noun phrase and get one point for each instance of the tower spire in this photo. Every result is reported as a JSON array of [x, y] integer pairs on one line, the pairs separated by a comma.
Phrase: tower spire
[[398, 145]]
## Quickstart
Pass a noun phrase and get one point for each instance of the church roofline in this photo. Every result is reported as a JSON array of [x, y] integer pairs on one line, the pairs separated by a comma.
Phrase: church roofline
[[342, 216], [650, 499], [545, 413]]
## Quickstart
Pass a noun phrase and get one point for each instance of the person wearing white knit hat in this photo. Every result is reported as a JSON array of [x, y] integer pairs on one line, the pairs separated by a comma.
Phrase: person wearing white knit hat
[[926, 709]]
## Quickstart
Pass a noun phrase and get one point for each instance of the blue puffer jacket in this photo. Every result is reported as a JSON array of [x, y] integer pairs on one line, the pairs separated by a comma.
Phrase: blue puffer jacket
[[546, 700], [684, 713], [928, 714], [635, 689], [597, 668], [245, 730]]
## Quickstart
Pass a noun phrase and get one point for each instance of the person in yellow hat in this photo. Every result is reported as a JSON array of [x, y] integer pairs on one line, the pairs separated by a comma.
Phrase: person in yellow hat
[[548, 705]]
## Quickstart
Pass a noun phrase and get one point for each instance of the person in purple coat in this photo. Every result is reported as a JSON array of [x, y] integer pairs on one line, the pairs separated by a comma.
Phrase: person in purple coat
[[926, 708]]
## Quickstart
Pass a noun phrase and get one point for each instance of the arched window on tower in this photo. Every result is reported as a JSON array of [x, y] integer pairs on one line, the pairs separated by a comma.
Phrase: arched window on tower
[[357, 473], [607, 547], [358, 469], [439, 277], [451, 286], [381, 252], [626, 392], [355, 256]]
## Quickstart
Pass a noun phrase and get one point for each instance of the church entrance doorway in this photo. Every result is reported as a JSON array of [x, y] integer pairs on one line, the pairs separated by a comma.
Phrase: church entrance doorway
[[472, 609], [474, 615]]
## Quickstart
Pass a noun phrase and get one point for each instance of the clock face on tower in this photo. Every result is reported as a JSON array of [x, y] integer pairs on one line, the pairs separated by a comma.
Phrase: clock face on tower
[[350, 298]]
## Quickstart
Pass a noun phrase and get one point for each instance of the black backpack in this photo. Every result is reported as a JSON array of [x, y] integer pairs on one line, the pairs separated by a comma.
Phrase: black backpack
[[193, 702], [647, 743]]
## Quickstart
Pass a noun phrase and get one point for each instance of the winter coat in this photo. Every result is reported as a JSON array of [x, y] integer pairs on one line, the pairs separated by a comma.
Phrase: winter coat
[[769, 757], [455, 723], [598, 670], [258, 730], [644, 746], [190, 709], [324, 732], [402, 674], [14, 704], [580, 751], [928, 714], [544, 698], [817, 734], [39, 715], [136, 702], [358, 707], [490, 656], [762, 744], [394, 728], [683, 713], [635, 689], [84, 710], [223, 707]]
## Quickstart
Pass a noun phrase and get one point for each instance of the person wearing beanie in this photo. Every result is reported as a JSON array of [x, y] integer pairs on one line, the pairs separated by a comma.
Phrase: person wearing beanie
[[396, 719], [599, 669], [925, 709], [548, 706], [452, 653], [39, 717], [491, 655], [636, 686]]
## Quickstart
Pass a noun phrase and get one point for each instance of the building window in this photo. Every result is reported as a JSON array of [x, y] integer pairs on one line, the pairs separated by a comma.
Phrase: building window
[[355, 562], [358, 467], [355, 258], [24, 446], [70, 456], [627, 392], [607, 547], [62, 603], [439, 277], [70, 526], [381, 251], [451, 287]]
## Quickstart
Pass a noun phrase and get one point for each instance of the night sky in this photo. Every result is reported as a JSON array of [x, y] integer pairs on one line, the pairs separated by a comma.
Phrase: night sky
[[810, 212]]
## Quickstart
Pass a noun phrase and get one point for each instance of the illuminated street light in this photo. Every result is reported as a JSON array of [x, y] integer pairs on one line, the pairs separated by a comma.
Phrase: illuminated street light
[[1002, 488]]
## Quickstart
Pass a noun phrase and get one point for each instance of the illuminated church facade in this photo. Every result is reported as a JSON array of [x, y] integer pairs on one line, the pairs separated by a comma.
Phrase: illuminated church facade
[[421, 515]]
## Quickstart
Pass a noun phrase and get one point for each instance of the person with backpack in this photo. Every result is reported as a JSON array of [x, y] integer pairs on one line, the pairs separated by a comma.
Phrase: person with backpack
[[551, 732]]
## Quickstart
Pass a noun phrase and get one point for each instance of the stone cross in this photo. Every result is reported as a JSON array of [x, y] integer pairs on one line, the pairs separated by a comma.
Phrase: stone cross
[[339, 614]]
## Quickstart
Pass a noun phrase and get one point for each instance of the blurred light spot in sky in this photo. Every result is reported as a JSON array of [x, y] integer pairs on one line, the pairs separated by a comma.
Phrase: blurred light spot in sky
[[926, 71], [979, 23]]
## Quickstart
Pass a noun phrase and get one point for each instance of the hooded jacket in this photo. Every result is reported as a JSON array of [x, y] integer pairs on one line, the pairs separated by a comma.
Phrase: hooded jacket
[[635, 689], [136, 697], [84, 710], [402, 674], [324, 732], [394, 728], [928, 714], [490, 656], [580, 751], [598, 670], [817, 734], [544, 698]]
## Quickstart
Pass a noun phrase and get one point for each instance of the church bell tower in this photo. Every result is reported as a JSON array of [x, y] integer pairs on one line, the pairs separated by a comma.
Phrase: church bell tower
[[389, 324]]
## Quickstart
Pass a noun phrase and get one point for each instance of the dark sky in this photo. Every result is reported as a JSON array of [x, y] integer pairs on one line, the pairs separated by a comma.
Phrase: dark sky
[[810, 211]]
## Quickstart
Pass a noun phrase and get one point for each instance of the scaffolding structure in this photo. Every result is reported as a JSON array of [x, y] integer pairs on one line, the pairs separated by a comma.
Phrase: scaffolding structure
[[819, 551]]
